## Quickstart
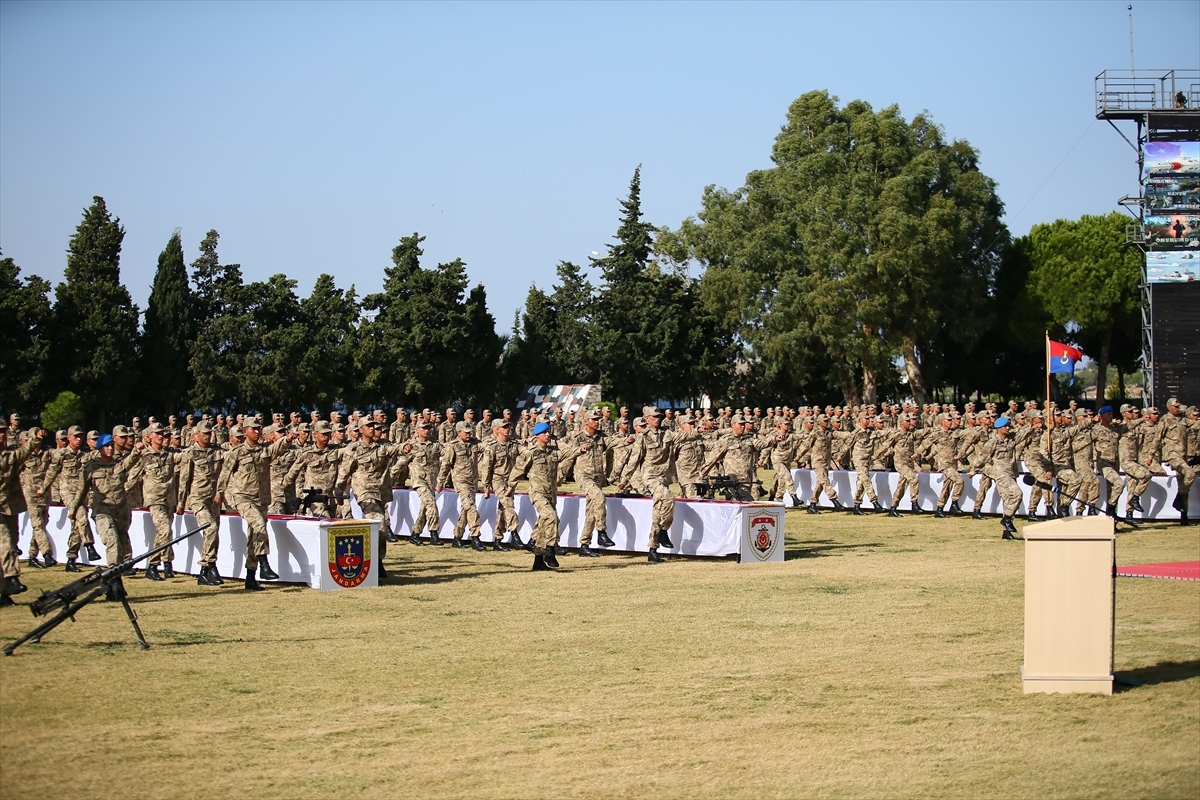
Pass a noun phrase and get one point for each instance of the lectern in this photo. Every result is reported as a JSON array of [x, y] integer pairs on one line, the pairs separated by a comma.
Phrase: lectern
[[1069, 605]]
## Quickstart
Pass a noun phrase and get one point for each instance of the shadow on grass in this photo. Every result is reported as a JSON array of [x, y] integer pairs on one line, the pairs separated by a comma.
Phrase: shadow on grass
[[822, 548], [1162, 672], [411, 574]]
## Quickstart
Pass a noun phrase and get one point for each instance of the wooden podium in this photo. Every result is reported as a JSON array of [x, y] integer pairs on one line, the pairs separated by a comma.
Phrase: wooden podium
[[1069, 605]]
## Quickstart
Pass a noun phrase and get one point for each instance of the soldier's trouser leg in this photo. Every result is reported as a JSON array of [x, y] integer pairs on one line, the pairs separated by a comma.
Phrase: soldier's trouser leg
[[40, 541], [207, 513], [256, 529], [8, 546], [1114, 481], [1185, 475], [862, 484], [1035, 497], [123, 518], [1089, 489], [1010, 493], [545, 530], [985, 483], [951, 480], [506, 511], [596, 513], [428, 515], [783, 481], [908, 480], [664, 510], [823, 485], [162, 517], [1138, 479], [373, 509], [106, 526], [1068, 484], [468, 513], [81, 530]]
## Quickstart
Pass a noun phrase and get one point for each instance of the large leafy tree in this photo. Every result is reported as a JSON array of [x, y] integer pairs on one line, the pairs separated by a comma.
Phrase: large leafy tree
[[326, 371], [1087, 279], [871, 238], [224, 329], [24, 339], [95, 321], [168, 331], [553, 340]]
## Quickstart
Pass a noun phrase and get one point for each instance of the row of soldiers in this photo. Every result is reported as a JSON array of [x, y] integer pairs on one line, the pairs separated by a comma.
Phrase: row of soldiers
[[257, 471]]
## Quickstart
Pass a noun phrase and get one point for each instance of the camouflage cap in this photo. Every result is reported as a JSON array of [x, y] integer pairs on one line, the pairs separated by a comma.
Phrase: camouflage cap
[[500, 422], [459, 427], [687, 419], [206, 417], [426, 424], [321, 426], [269, 429], [1033, 413], [15, 417], [236, 430], [738, 419], [1080, 413], [651, 411], [252, 422], [968, 416], [155, 427], [639, 422], [93, 436], [1190, 410], [304, 427], [337, 427], [1125, 407], [1172, 402], [593, 414], [120, 430], [822, 417], [172, 418], [61, 435], [74, 430], [449, 411], [202, 427]]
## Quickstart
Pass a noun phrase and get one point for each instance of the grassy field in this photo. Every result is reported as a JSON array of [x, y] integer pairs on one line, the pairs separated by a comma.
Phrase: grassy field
[[881, 660]]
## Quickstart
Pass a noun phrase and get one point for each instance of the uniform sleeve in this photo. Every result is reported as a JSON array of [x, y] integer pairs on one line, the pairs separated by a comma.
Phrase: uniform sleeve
[[448, 459], [228, 464], [185, 478], [636, 453]]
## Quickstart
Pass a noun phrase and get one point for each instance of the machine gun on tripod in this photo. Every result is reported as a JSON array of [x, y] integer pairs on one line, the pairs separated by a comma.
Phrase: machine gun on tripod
[[77, 594], [731, 487], [302, 505]]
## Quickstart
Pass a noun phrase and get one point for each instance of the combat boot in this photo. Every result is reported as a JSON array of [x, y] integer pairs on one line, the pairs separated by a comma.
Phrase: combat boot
[[6, 601], [837, 505], [916, 509], [977, 514], [1007, 534], [796, 501], [264, 570], [435, 540], [812, 508], [13, 585], [48, 561], [603, 540], [91, 552], [550, 559], [665, 541], [33, 562], [477, 544], [498, 545], [892, 512], [415, 538], [1032, 515], [392, 537], [858, 512], [1135, 503], [202, 578], [939, 513], [654, 557], [1183, 519], [152, 573], [168, 570], [557, 550], [457, 542], [586, 552], [954, 509], [252, 584], [214, 576], [539, 564], [1008, 524]]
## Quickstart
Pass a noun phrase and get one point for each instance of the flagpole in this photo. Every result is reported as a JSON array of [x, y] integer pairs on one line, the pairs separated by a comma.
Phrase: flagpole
[[1048, 393]]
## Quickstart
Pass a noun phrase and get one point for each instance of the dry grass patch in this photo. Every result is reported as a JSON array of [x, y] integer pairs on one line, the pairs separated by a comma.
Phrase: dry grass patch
[[882, 659]]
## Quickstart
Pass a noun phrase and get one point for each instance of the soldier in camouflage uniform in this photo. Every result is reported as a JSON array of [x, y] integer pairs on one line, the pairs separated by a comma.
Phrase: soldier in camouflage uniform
[[199, 469], [652, 453], [156, 475], [459, 463], [539, 462], [1175, 454], [905, 443], [496, 463], [862, 451], [66, 470], [11, 502], [364, 468], [424, 460], [32, 478], [998, 457], [103, 487], [590, 448]]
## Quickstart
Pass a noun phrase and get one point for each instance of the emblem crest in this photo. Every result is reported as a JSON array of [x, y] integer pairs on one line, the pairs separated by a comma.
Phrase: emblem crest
[[349, 554], [763, 532]]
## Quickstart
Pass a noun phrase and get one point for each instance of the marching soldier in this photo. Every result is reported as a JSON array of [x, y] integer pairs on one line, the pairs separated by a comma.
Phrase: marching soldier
[[904, 457], [590, 448], [998, 457], [317, 468], [423, 463], [66, 470], [220, 431], [200, 469], [738, 453], [282, 493], [783, 453], [459, 459], [653, 450], [1175, 454], [620, 451], [499, 456], [862, 451], [943, 440], [364, 469], [689, 461], [445, 430], [33, 477], [1062, 456], [11, 501], [243, 471], [156, 474], [823, 439], [103, 487], [483, 428], [1037, 460], [539, 462], [1083, 453], [1106, 440]]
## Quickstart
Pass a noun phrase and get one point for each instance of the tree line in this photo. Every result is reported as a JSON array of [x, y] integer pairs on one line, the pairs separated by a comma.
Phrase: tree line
[[868, 263]]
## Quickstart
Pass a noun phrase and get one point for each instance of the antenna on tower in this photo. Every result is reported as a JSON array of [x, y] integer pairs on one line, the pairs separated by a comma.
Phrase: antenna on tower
[[1129, 8]]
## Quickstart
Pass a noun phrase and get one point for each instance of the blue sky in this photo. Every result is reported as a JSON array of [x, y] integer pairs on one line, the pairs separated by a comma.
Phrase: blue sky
[[313, 136]]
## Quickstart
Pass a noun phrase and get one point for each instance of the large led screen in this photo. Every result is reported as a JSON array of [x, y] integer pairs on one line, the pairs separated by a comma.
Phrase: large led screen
[[1173, 193], [1172, 267], [1166, 158]]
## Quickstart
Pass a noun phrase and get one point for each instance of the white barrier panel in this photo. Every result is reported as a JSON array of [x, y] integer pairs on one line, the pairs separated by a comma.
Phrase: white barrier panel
[[1156, 500], [300, 550], [700, 528]]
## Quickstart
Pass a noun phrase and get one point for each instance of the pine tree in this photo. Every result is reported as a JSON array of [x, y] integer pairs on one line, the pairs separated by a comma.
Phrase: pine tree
[[168, 331], [24, 346], [95, 321], [224, 329]]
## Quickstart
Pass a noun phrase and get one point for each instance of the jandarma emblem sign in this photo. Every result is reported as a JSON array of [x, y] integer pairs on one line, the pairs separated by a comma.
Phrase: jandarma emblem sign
[[349, 554], [763, 533]]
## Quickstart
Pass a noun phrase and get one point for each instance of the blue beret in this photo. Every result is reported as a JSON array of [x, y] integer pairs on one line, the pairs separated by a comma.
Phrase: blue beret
[[1000, 423], [103, 441], [1105, 410], [541, 427]]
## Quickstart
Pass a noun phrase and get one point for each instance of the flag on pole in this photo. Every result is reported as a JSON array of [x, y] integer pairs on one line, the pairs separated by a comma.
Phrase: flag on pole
[[1063, 358]]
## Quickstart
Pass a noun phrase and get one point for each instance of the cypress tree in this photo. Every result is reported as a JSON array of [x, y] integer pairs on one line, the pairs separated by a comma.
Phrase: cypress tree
[[168, 331]]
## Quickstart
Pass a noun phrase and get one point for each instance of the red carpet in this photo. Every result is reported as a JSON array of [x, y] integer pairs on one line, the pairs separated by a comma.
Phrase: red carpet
[[1176, 571]]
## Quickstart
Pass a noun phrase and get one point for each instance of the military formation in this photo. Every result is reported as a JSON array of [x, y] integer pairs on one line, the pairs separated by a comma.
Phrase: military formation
[[212, 462]]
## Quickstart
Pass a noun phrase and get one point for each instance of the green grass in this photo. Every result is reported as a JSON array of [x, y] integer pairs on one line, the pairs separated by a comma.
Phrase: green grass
[[881, 659]]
